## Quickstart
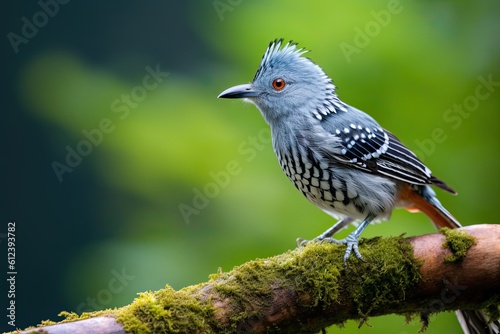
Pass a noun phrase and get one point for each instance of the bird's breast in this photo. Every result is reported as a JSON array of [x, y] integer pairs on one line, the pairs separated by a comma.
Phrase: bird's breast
[[322, 184]]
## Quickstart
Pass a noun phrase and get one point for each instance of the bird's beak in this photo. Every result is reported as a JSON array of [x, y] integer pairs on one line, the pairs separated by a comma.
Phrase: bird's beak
[[237, 92]]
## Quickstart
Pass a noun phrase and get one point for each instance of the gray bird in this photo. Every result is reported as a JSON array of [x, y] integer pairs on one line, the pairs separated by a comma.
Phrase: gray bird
[[339, 157]]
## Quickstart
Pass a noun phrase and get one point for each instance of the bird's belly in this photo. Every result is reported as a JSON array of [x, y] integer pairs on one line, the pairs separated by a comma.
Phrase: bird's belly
[[324, 195], [340, 191]]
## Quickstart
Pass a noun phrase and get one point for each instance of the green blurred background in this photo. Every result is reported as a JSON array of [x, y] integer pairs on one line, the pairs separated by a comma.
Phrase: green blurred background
[[114, 225]]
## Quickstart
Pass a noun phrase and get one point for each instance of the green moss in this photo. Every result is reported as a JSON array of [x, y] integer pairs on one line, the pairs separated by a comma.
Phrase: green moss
[[458, 242], [325, 284], [72, 316], [311, 272], [381, 282], [47, 323], [314, 269], [166, 311], [318, 272], [162, 311]]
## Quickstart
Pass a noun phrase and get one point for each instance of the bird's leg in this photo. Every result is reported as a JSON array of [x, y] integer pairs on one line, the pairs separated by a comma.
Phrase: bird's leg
[[351, 241], [328, 233], [335, 228]]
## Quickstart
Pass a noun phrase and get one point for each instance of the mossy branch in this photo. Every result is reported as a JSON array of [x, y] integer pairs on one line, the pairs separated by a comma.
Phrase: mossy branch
[[307, 289]]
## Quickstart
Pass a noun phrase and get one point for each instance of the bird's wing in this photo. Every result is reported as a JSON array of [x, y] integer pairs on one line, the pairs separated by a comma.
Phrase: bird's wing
[[376, 150], [371, 148]]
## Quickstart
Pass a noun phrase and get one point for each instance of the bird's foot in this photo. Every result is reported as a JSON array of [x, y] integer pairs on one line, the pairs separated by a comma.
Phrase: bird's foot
[[351, 242]]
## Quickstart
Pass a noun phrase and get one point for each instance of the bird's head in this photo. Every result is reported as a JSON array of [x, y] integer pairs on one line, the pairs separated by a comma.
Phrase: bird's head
[[285, 84]]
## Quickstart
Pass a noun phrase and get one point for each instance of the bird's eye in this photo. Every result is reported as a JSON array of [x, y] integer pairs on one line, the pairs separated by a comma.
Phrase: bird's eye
[[279, 84]]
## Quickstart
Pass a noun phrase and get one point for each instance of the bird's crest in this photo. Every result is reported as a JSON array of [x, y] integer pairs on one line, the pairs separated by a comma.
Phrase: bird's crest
[[275, 52], [290, 54]]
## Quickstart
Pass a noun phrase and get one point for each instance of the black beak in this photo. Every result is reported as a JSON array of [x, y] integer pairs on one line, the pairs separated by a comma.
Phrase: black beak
[[238, 92]]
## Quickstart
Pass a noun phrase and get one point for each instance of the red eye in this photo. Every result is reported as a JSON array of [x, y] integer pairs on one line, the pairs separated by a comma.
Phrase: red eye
[[279, 84]]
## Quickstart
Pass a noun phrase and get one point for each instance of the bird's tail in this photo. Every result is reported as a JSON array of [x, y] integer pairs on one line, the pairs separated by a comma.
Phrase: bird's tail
[[424, 200], [477, 322], [438, 214]]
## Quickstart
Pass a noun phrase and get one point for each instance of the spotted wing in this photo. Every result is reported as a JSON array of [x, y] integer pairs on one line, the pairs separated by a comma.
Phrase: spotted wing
[[376, 150]]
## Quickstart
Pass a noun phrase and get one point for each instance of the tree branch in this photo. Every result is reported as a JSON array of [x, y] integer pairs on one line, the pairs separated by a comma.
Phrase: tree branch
[[306, 289]]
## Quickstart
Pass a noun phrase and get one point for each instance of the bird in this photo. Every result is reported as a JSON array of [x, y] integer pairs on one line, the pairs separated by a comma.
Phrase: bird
[[336, 155], [339, 157]]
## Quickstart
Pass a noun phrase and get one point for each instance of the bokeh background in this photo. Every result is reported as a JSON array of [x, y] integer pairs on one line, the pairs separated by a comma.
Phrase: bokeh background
[[114, 226]]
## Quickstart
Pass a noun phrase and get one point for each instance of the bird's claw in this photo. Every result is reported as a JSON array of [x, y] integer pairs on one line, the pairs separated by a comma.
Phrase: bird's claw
[[351, 242], [302, 242]]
